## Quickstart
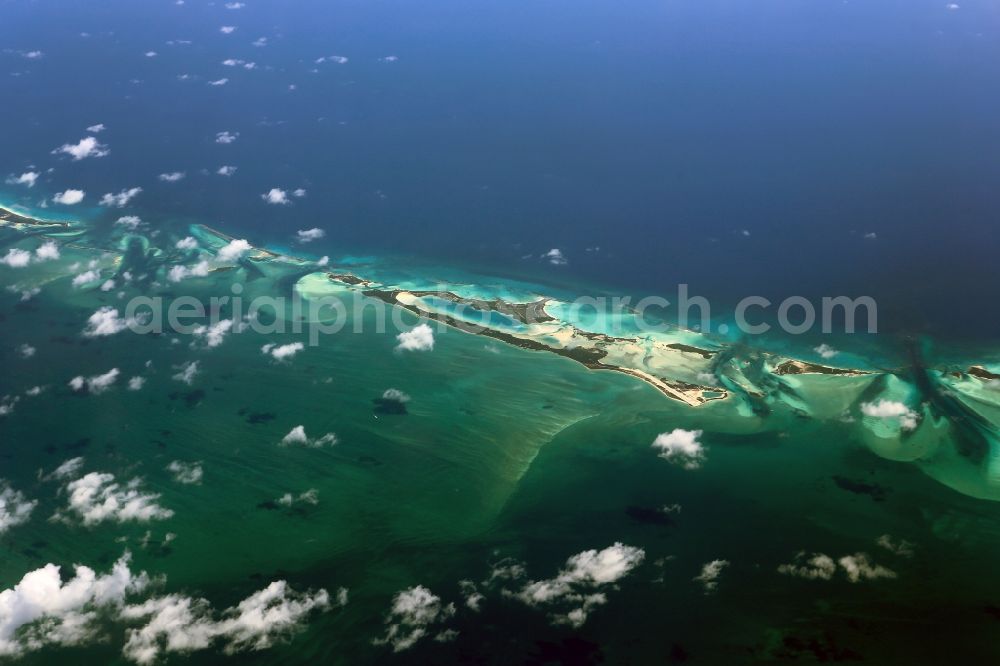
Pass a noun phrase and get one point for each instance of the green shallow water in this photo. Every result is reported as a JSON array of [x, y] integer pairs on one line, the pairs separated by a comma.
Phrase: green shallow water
[[502, 453]]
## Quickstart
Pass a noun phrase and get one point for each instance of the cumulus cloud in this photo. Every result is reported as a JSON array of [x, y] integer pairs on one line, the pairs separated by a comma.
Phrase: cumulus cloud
[[86, 278], [28, 178], [121, 199], [577, 587], [67, 469], [179, 273], [226, 137], [129, 221], [310, 496], [826, 351], [309, 235], [227, 29], [276, 196], [226, 170], [814, 567], [890, 409], [414, 611], [213, 335], [172, 177], [84, 148], [180, 624], [95, 384], [16, 258], [219, 82], [709, 576], [187, 243], [418, 338], [186, 473], [69, 197], [900, 547], [859, 567], [42, 609], [136, 383], [556, 257], [282, 352], [96, 498], [187, 372], [297, 437], [681, 447], [26, 351], [47, 251], [396, 395], [106, 321], [94, 129], [234, 250], [15, 509]]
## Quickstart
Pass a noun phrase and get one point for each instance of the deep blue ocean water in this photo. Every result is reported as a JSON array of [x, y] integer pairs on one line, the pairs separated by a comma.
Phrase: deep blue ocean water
[[740, 147]]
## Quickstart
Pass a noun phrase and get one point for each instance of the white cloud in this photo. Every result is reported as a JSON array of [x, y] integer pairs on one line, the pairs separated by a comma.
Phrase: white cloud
[[172, 177], [300, 192], [310, 496], [709, 576], [297, 436], [16, 258], [282, 352], [136, 383], [226, 137], [84, 148], [951, 6], [86, 278], [151, 54], [32, 55], [890, 409], [577, 587], [419, 338], [178, 273], [26, 351], [902, 547], [42, 609], [68, 469], [183, 624], [47, 251], [69, 197], [235, 5], [129, 221], [94, 129], [186, 473], [188, 371], [817, 567], [276, 196], [260, 42], [395, 394], [226, 170], [187, 243], [227, 29], [28, 178], [412, 613], [219, 82], [556, 257], [681, 447], [213, 335], [121, 199], [826, 351], [234, 250], [106, 321], [96, 384], [309, 235], [858, 567], [96, 498], [15, 509], [323, 261], [389, 58]]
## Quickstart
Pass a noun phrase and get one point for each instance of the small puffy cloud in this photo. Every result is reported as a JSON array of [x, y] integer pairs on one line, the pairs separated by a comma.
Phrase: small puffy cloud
[[136, 383], [418, 338], [32, 55], [276, 197], [900, 547], [26, 351], [28, 178], [814, 567], [556, 257], [187, 243], [172, 177], [576, 590], [129, 221], [260, 42], [86, 277], [709, 576], [179, 273], [297, 437], [43, 609], [186, 473], [395, 395], [951, 6], [226, 170], [180, 624], [219, 82], [47, 251], [94, 129], [105, 321], [96, 498], [323, 261], [891, 409], [414, 611], [859, 567], [681, 447], [826, 351], [389, 58], [213, 335], [96, 384], [300, 192], [151, 54], [67, 470], [121, 199], [16, 258], [235, 5], [187, 372], [227, 29], [234, 250], [69, 197], [282, 352], [226, 137], [84, 148], [309, 235], [310, 496], [15, 508]]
